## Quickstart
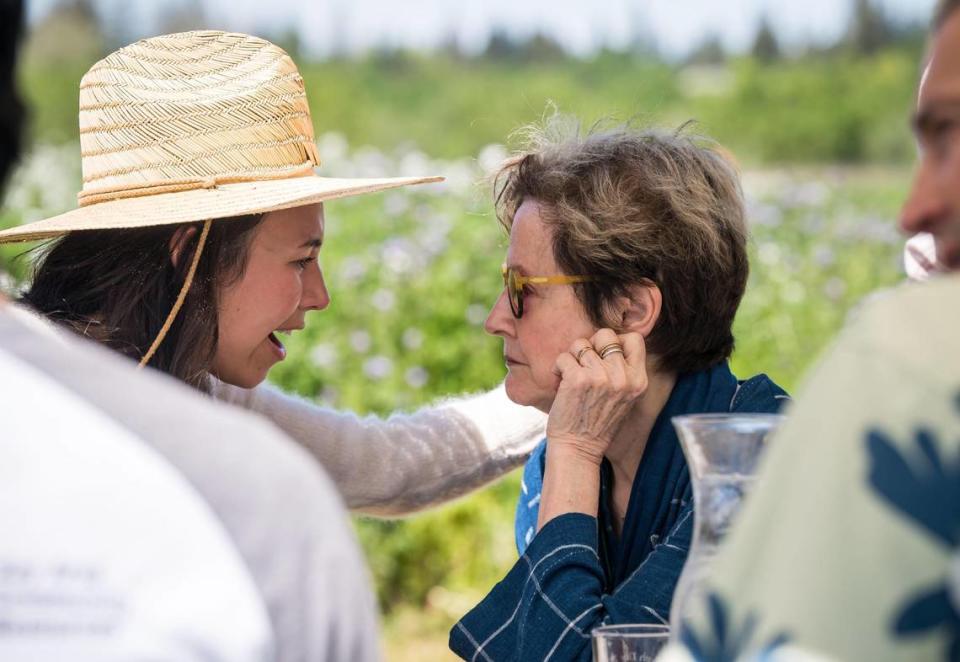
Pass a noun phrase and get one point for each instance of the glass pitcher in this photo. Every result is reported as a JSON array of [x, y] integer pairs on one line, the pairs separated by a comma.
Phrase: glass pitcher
[[722, 451]]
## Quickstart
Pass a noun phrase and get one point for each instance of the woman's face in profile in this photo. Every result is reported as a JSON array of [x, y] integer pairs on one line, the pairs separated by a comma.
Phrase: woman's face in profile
[[282, 280], [552, 319]]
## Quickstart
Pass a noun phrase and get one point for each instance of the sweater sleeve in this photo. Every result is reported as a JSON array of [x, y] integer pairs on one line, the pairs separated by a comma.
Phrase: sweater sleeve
[[554, 596], [407, 462]]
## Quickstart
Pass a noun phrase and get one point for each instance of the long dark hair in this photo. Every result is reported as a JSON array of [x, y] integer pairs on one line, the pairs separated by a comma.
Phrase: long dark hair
[[118, 286]]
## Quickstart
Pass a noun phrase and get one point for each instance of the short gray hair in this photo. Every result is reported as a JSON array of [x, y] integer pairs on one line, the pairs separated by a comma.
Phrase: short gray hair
[[631, 206]]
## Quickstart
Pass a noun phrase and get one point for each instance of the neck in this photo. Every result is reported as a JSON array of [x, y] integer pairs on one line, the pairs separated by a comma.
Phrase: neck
[[627, 448]]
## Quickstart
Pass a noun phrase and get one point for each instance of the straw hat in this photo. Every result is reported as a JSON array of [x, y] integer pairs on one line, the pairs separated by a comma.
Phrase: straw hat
[[195, 126]]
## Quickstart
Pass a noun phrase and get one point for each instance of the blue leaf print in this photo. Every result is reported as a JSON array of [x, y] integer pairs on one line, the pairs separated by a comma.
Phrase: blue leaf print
[[930, 610], [926, 491], [718, 617], [727, 642], [928, 494]]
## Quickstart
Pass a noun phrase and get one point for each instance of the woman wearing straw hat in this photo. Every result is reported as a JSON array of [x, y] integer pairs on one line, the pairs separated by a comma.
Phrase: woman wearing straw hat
[[195, 243]]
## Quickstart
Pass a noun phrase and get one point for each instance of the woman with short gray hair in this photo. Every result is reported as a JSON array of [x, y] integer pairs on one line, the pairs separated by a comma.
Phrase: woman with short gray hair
[[627, 262]]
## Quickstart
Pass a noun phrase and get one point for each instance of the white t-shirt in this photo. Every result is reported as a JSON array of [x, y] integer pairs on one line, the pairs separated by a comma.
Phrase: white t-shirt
[[107, 552], [144, 521]]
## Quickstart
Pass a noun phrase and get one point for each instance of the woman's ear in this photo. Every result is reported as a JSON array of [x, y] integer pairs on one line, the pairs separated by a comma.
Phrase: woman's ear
[[641, 309], [178, 242]]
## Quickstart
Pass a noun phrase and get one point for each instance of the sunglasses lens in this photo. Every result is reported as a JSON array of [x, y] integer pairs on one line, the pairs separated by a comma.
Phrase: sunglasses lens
[[514, 294]]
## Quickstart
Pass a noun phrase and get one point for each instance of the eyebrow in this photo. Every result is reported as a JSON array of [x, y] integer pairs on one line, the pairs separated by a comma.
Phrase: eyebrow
[[312, 243]]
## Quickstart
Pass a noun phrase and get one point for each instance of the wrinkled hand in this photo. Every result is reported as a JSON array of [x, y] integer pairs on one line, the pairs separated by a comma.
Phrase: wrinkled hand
[[596, 394]]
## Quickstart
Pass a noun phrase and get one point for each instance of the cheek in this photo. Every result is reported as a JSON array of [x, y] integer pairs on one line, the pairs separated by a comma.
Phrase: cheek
[[267, 295], [255, 306], [543, 348], [540, 351]]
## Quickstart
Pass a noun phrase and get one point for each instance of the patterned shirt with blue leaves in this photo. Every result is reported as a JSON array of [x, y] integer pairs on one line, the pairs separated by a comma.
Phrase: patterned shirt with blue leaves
[[849, 545]]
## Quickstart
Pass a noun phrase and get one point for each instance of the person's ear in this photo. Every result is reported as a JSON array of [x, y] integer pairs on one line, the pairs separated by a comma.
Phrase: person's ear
[[179, 241], [640, 310]]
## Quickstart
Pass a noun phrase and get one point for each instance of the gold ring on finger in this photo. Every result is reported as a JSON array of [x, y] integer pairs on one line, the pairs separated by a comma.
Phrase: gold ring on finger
[[612, 348], [583, 351]]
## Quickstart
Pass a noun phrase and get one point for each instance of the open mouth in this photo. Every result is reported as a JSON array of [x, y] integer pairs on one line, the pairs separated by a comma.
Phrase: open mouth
[[275, 340]]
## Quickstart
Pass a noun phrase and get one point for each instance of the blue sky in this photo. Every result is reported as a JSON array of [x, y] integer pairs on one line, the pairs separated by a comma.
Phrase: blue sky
[[676, 26]]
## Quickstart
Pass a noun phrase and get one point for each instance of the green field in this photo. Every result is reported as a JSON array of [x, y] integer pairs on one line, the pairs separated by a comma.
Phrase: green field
[[412, 274]]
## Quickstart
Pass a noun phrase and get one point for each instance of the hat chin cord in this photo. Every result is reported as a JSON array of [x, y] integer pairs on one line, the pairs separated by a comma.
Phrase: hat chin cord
[[188, 281]]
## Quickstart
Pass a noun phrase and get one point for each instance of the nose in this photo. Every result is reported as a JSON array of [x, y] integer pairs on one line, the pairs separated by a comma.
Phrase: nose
[[315, 295], [500, 321], [925, 206]]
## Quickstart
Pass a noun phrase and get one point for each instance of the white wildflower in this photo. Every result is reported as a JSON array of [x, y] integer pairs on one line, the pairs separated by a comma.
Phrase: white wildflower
[[352, 269], [396, 204], [360, 341], [377, 367], [324, 355], [491, 157], [398, 255], [383, 300], [413, 338], [476, 314], [417, 376], [835, 288]]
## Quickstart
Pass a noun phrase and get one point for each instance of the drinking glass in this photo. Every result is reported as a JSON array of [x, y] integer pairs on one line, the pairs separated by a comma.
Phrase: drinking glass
[[629, 643]]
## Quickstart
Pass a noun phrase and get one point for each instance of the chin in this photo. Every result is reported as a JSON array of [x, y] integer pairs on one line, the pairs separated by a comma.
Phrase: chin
[[522, 392], [247, 379]]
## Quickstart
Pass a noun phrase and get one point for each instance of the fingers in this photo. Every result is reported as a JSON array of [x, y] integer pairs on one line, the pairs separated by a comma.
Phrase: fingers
[[598, 391], [583, 351], [608, 346], [634, 349], [635, 358], [608, 352], [565, 364], [624, 357]]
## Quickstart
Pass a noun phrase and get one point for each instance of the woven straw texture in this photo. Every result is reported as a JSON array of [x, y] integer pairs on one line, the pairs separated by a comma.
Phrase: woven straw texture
[[193, 126], [192, 106]]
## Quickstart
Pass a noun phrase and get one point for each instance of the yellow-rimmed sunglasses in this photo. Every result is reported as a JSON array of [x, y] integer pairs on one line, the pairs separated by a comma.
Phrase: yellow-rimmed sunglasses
[[514, 283]]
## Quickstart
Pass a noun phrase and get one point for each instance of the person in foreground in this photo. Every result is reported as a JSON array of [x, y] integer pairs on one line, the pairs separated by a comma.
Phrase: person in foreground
[[849, 546], [146, 522], [627, 262], [180, 529], [195, 247]]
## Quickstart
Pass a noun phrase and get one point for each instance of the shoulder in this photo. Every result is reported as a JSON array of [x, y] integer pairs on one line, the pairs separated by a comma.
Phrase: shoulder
[[918, 324], [254, 478], [759, 394], [892, 365]]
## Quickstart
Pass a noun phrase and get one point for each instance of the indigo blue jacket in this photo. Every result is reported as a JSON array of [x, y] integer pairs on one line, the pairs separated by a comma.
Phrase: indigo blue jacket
[[576, 574]]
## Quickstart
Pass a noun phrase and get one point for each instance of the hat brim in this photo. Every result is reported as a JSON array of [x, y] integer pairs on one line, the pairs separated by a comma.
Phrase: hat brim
[[221, 201]]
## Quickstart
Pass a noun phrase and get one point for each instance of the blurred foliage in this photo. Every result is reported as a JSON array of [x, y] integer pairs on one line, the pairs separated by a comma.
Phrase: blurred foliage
[[833, 107], [413, 273], [838, 109]]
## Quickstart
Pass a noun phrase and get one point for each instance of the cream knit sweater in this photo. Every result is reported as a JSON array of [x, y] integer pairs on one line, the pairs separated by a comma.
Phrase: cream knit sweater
[[407, 462]]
